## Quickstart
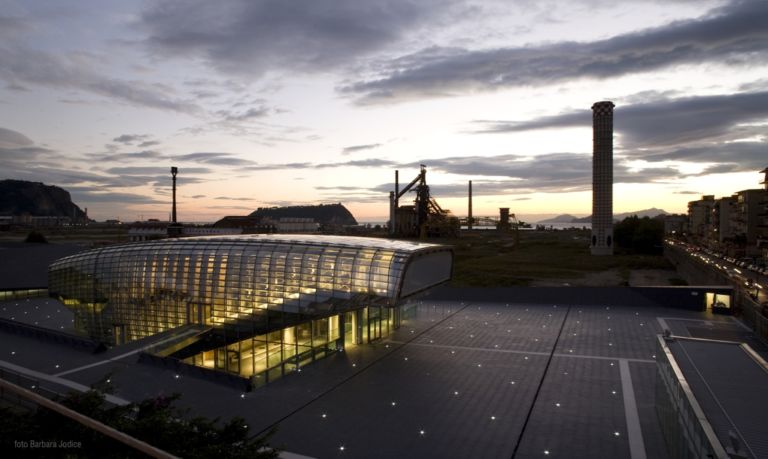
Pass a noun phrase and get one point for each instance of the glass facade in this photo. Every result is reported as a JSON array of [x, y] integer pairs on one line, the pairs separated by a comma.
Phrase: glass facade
[[267, 299]]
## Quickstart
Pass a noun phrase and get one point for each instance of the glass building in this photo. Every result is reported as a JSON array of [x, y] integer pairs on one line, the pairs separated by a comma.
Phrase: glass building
[[263, 304]]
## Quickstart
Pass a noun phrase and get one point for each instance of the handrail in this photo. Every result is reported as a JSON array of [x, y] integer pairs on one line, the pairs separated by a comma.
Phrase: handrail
[[89, 422]]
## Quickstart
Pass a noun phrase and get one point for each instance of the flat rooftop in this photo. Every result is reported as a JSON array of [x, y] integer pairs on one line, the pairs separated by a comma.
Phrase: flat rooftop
[[729, 384], [515, 373]]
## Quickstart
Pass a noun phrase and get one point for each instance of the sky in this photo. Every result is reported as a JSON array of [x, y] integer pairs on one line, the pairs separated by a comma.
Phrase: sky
[[273, 102]]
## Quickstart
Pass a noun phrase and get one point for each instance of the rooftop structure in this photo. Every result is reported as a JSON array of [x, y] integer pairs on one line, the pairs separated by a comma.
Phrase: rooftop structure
[[248, 294]]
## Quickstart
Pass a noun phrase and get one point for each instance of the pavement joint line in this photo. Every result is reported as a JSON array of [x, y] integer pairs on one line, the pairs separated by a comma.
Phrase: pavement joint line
[[741, 324], [541, 383], [717, 400], [634, 431], [515, 351], [361, 371], [663, 323], [57, 380], [127, 354]]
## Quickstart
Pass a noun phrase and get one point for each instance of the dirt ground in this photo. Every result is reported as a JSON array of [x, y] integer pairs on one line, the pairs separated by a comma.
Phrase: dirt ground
[[651, 277]]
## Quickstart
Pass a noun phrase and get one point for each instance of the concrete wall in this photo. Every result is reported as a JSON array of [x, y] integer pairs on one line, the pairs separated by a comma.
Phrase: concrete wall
[[690, 298], [693, 270]]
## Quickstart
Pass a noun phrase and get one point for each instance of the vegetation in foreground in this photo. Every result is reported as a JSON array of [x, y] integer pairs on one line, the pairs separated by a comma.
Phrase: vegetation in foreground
[[491, 260], [155, 421]]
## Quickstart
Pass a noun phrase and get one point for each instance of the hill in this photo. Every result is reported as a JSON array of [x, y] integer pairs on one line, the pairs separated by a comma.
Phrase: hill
[[564, 218], [567, 218], [19, 197], [325, 214]]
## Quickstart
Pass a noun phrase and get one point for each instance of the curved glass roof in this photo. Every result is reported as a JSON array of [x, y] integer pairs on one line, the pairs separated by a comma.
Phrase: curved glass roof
[[310, 239], [152, 286]]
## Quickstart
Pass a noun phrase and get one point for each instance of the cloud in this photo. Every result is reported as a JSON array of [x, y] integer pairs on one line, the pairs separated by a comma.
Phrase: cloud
[[130, 138], [93, 195], [220, 159], [140, 170], [13, 139], [506, 174], [11, 26], [126, 157], [228, 198], [252, 37], [250, 114], [371, 162], [356, 148], [71, 71], [731, 156], [732, 35], [663, 122]]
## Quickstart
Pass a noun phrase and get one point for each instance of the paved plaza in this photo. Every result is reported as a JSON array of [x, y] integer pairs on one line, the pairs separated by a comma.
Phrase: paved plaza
[[518, 375]]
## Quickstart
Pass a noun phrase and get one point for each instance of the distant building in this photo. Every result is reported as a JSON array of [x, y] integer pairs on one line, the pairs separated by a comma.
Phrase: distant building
[[153, 230], [700, 218], [762, 220], [293, 224], [675, 224], [602, 178], [722, 230], [750, 205]]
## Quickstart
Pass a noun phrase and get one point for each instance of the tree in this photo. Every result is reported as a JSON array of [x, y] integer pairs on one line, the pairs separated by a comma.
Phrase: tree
[[36, 237], [155, 421], [640, 235]]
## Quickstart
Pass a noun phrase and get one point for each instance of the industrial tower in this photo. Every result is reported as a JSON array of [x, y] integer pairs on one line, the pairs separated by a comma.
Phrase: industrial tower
[[602, 178]]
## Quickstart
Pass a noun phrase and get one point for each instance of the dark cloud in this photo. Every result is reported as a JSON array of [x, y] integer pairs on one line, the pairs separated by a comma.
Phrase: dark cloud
[[71, 71], [126, 157], [139, 170], [130, 138], [13, 139], [251, 37], [687, 192], [356, 148], [552, 173], [11, 26], [729, 157], [148, 143], [219, 159], [87, 195], [372, 162], [664, 122], [250, 114], [733, 34]]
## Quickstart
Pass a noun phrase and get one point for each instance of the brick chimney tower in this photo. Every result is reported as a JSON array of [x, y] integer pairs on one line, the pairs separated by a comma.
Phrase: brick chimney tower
[[602, 178]]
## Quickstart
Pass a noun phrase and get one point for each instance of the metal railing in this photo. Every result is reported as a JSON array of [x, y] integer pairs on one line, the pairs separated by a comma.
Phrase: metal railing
[[25, 392], [687, 432]]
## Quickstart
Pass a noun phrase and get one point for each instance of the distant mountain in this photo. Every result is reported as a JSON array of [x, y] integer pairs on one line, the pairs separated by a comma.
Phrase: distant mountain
[[650, 213], [19, 197], [325, 214], [567, 218]]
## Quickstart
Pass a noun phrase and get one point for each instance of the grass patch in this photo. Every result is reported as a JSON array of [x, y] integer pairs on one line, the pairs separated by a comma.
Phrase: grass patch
[[484, 260]]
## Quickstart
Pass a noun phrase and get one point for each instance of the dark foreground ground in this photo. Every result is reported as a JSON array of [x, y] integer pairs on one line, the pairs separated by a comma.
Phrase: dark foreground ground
[[505, 373]]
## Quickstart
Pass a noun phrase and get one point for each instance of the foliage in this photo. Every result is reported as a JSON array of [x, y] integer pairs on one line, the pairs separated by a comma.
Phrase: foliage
[[155, 421], [640, 235], [36, 237]]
